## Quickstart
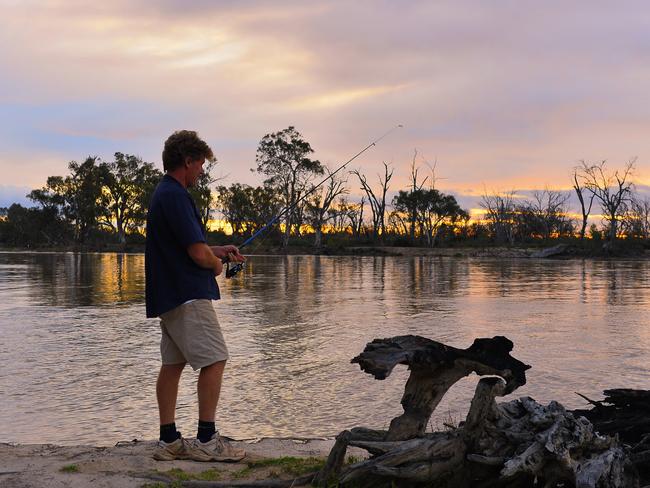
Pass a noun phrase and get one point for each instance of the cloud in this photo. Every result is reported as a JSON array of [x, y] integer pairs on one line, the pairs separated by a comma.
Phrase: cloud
[[505, 95]]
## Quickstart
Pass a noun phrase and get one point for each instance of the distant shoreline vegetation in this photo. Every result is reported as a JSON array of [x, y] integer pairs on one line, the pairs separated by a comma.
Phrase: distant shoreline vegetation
[[101, 206]]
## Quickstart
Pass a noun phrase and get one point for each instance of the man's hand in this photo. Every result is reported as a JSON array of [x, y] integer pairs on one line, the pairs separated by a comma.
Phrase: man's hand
[[229, 251]]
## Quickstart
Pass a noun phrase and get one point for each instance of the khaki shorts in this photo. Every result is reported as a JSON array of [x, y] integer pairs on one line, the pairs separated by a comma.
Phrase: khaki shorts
[[191, 334]]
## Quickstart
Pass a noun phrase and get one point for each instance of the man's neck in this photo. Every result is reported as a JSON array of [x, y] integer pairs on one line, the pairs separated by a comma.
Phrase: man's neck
[[178, 175]]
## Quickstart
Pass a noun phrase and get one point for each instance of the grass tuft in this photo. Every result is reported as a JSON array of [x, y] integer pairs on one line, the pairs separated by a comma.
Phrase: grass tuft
[[293, 466], [70, 468]]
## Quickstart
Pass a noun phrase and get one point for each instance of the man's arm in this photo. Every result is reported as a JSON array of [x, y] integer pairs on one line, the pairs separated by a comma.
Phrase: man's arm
[[230, 251], [204, 257]]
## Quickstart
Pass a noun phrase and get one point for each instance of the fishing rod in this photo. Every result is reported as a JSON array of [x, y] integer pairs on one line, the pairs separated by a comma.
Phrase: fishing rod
[[237, 267]]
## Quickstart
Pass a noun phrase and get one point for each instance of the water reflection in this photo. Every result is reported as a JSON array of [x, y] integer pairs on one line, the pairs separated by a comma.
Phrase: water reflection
[[77, 280], [80, 357]]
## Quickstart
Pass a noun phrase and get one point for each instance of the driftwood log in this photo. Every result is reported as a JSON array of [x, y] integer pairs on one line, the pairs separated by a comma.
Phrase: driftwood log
[[625, 413], [515, 444]]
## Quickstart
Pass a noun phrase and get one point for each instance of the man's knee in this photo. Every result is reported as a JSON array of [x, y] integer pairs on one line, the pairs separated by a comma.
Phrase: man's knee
[[171, 371], [216, 366]]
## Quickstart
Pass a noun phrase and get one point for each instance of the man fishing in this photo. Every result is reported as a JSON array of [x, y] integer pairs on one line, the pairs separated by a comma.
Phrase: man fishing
[[180, 271]]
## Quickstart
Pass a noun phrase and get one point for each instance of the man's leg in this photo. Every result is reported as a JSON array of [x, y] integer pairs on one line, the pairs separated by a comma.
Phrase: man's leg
[[167, 391], [209, 388], [208, 446]]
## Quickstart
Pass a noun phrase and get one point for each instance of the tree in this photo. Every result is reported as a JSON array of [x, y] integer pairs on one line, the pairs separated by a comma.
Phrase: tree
[[235, 204], [319, 205], [500, 215], [431, 208], [77, 197], [84, 198], [612, 190], [202, 192], [350, 216], [545, 215], [52, 195], [636, 220], [127, 179], [410, 201], [33, 227], [377, 203], [245, 208], [585, 208], [284, 158], [407, 206]]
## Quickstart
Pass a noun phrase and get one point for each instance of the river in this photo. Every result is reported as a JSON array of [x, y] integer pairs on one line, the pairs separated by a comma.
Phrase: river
[[79, 358]]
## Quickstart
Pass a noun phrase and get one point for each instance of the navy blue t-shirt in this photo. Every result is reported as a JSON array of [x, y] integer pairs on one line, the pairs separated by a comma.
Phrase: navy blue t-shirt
[[172, 278]]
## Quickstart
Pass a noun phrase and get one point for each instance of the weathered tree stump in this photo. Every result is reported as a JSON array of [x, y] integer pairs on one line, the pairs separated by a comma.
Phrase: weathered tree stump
[[435, 367], [515, 444], [625, 413]]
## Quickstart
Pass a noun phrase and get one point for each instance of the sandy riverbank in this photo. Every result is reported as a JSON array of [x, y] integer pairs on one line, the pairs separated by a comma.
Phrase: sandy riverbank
[[130, 465]]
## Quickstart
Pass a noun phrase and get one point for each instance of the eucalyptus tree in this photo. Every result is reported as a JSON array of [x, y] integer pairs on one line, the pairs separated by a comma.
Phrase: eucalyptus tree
[[636, 220], [429, 209], [247, 208], [585, 208], [284, 158], [349, 216], [128, 181], [377, 200], [544, 215], [500, 215], [612, 190], [52, 195], [202, 192], [76, 197], [235, 204], [85, 196], [319, 205], [31, 227]]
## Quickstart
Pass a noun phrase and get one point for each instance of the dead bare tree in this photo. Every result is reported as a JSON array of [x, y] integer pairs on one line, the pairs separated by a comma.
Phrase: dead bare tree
[[318, 206], [500, 214], [636, 220], [415, 187], [549, 209], [584, 207], [377, 203], [612, 190]]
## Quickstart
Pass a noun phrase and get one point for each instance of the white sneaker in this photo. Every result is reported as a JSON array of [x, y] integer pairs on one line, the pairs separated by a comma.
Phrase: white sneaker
[[216, 449], [168, 451]]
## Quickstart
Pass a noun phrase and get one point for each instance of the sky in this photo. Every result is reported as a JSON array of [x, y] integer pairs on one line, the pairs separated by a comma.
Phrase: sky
[[499, 95]]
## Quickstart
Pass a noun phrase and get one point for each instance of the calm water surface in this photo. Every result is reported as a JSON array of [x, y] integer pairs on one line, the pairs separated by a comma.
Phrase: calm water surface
[[79, 358]]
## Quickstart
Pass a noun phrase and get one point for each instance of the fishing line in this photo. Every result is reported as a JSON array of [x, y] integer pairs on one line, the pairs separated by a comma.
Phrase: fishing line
[[237, 267]]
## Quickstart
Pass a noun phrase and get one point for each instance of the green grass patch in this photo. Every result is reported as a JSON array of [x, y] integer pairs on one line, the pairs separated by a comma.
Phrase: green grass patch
[[293, 466], [353, 459], [70, 468], [178, 474]]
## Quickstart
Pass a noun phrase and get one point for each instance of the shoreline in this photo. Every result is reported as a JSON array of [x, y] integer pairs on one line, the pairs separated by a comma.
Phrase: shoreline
[[497, 252], [129, 464]]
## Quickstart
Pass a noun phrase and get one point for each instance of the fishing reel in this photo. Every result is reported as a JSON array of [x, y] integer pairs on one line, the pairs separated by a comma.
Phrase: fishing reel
[[233, 268]]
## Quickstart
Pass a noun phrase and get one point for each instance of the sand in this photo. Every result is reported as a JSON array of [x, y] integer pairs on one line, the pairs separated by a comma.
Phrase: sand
[[128, 464]]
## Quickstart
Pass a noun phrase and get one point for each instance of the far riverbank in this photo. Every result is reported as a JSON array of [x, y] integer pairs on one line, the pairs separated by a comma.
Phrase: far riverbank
[[560, 251]]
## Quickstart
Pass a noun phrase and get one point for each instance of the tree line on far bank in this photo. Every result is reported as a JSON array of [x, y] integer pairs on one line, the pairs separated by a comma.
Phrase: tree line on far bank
[[101, 205]]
